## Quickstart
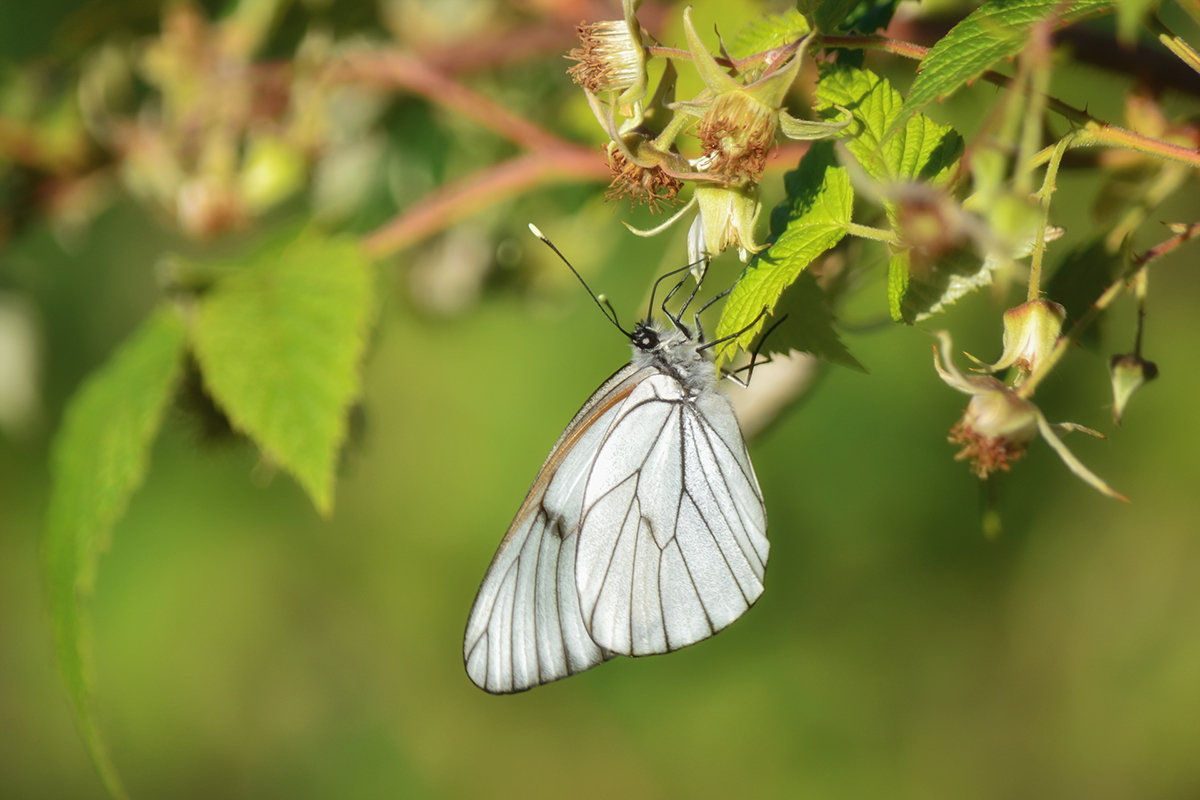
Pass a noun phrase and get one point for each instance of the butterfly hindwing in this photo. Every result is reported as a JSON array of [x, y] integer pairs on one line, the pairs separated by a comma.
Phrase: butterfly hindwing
[[672, 545]]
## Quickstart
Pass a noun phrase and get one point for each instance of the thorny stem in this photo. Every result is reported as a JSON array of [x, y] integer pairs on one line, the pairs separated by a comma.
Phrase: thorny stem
[[1139, 291], [1183, 234], [1096, 134], [1101, 134], [1045, 195]]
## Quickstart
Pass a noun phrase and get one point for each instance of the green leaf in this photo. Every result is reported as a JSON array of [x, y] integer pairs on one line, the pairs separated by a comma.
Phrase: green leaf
[[997, 29], [869, 15], [899, 267], [279, 342], [99, 459], [827, 14], [769, 32], [811, 220], [1130, 14], [920, 150], [933, 285]]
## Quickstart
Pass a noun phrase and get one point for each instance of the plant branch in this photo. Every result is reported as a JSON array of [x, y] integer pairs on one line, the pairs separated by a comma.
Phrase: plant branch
[[1097, 134], [486, 187], [403, 71], [1183, 233]]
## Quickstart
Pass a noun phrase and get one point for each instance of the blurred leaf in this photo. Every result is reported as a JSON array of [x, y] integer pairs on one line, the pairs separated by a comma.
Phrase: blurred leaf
[[279, 343], [998, 29], [1130, 14], [1085, 272], [768, 32], [920, 150], [869, 16], [809, 327], [99, 459], [814, 216], [899, 266], [930, 285], [827, 14]]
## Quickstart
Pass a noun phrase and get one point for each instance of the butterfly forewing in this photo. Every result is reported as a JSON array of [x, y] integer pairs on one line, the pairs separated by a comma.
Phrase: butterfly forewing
[[525, 627]]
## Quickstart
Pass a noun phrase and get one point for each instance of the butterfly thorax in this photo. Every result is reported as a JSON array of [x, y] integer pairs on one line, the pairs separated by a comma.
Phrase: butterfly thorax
[[673, 352]]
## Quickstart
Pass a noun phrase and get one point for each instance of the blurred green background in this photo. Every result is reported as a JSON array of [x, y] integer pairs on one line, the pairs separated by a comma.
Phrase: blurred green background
[[247, 648]]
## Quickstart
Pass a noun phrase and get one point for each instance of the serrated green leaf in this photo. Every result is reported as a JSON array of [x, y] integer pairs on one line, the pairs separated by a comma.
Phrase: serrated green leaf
[[997, 29], [920, 150], [769, 32], [811, 220], [99, 459], [279, 342]]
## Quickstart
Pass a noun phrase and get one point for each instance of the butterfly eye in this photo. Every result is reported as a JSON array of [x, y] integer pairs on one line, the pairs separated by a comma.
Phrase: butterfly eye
[[644, 338]]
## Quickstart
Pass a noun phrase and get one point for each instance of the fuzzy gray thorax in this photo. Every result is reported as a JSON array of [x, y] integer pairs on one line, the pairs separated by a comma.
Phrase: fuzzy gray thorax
[[672, 352]]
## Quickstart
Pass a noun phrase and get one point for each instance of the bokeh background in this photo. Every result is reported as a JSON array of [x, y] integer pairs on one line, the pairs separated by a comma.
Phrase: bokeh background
[[246, 647]]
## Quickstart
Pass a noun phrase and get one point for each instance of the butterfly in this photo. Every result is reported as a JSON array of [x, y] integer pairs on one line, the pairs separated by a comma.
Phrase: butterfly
[[644, 530]]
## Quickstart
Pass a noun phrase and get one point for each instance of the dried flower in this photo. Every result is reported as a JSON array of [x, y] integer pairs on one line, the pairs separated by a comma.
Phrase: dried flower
[[999, 424], [650, 185], [738, 122], [612, 57]]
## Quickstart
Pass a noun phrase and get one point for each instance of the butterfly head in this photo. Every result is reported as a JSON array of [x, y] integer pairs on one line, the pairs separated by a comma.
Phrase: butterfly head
[[645, 337]]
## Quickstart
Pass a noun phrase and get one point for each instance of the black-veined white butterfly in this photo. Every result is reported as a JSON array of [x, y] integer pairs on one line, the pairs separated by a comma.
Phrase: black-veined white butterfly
[[643, 532]]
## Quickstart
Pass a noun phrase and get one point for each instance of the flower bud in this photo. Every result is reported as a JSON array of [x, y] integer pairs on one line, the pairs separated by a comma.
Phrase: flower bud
[[1030, 332], [727, 218], [1128, 372]]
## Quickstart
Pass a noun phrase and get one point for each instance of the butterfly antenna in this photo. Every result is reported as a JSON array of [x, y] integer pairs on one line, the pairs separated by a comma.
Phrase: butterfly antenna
[[601, 302]]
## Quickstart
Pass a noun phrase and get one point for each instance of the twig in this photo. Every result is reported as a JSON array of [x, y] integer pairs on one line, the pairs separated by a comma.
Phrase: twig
[[403, 71], [486, 187]]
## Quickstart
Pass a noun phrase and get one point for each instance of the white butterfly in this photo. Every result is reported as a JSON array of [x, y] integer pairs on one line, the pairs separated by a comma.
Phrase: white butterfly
[[643, 532]]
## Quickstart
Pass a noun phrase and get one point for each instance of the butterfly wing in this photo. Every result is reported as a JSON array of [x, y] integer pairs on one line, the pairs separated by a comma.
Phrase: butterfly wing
[[525, 627], [672, 545]]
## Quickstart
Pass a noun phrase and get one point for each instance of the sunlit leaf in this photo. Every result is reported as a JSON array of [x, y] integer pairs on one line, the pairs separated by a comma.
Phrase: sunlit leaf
[[99, 460], [279, 342], [996, 30], [811, 220], [920, 150], [768, 32]]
